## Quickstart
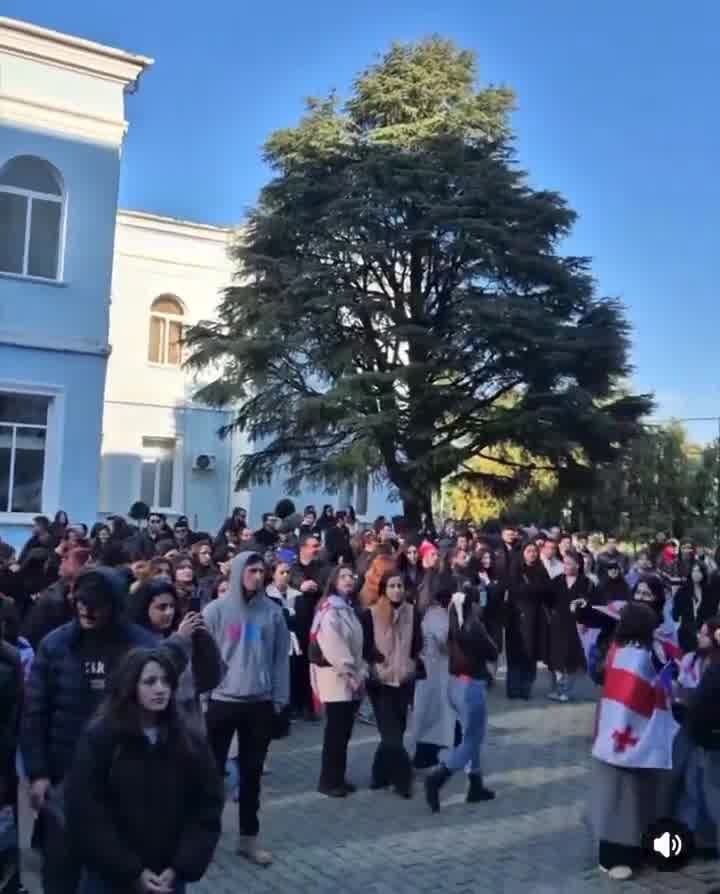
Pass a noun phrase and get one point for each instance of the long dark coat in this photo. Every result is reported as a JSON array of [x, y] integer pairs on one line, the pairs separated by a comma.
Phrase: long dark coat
[[566, 653], [527, 616]]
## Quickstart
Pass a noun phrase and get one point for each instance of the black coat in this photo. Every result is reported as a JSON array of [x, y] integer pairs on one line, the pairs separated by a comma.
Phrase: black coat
[[610, 590], [49, 612], [526, 614], [133, 805], [337, 544], [305, 603], [470, 646], [11, 687], [684, 612], [703, 715], [566, 653], [506, 562], [142, 546]]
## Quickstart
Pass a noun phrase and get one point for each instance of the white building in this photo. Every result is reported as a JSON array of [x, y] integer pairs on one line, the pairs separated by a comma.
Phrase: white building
[[158, 445]]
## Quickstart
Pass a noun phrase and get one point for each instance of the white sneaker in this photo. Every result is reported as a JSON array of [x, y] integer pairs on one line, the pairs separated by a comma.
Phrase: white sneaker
[[618, 873], [555, 696]]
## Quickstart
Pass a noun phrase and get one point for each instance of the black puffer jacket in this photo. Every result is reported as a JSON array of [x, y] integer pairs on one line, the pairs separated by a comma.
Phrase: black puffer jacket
[[133, 805], [59, 700]]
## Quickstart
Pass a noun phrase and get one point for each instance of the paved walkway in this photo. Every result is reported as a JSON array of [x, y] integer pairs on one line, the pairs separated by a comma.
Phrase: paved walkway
[[531, 840]]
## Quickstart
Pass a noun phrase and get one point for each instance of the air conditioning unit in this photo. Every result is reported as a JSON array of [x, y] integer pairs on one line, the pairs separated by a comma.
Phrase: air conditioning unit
[[205, 462]]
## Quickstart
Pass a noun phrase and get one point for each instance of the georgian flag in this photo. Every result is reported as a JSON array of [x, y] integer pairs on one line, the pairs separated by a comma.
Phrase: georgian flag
[[665, 635], [635, 727]]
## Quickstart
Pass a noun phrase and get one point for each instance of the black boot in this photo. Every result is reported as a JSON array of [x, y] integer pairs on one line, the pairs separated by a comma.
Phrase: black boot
[[433, 783], [477, 791]]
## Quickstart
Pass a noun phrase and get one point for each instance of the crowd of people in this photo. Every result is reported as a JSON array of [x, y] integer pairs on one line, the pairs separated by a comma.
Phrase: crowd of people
[[139, 662]]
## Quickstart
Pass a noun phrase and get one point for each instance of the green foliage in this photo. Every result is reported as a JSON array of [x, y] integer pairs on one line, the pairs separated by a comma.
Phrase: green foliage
[[660, 482], [401, 307]]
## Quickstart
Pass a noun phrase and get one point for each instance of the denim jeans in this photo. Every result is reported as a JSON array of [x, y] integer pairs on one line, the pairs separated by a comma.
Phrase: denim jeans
[[468, 700]]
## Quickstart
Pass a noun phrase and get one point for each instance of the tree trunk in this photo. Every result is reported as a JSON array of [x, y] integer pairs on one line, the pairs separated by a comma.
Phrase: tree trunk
[[414, 506]]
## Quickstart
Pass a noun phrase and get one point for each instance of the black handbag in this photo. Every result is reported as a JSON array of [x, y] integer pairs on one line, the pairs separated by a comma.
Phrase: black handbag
[[315, 654]]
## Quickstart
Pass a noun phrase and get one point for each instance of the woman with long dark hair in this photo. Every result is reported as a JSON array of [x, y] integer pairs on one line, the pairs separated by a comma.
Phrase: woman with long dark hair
[[326, 520], [492, 598], [59, 526], [410, 566], [393, 641], [338, 672], [144, 799], [155, 606], [694, 603], [206, 572], [526, 624], [186, 584], [565, 657], [470, 649], [100, 536]]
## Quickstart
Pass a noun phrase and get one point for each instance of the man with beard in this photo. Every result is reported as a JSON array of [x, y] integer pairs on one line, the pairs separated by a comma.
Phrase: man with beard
[[308, 575]]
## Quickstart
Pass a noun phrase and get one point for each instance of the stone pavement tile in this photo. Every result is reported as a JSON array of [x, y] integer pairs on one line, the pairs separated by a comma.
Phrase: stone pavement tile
[[532, 840]]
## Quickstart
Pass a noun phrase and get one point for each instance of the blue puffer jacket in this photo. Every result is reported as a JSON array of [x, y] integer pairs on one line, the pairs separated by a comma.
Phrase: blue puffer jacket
[[59, 700]]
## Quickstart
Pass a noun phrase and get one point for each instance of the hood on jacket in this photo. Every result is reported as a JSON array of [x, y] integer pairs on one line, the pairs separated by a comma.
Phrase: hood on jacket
[[237, 569], [102, 586]]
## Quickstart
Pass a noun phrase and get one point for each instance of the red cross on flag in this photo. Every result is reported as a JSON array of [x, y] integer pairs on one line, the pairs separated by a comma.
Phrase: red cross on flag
[[635, 726]]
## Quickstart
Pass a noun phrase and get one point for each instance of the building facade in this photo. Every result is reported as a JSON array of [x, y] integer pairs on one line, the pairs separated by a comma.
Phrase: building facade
[[159, 445], [62, 124], [96, 411]]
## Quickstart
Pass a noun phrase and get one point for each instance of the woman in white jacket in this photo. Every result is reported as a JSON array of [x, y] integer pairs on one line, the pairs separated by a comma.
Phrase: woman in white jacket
[[337, 673]]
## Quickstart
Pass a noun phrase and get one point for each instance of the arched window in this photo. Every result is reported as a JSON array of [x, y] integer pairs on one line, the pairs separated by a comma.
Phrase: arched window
[[166, 329], [31, 216]]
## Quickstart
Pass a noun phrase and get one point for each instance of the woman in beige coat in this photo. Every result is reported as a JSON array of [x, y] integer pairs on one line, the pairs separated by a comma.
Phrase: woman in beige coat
[[337, 673]]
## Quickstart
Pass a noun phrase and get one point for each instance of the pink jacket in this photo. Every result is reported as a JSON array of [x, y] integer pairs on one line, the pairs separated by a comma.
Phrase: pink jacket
[[339, 634]]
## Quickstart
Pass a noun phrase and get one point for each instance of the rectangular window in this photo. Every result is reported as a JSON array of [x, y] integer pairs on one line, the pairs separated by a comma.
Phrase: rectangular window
[[44, 239], [157, 339], [158, 472], [13, 220], [23, 440]]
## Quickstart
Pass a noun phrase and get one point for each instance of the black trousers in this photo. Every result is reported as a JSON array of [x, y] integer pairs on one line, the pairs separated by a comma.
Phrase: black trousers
[[253, 723], [391, 765], [521, 674], [339, 722], [61, 868], [302, 695]]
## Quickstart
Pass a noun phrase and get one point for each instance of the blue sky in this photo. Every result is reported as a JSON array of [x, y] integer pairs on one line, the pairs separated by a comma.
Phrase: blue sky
[[617, 109]]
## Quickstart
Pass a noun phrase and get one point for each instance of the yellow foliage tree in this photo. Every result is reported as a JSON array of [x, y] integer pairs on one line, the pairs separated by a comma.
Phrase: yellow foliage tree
[[482, 500]]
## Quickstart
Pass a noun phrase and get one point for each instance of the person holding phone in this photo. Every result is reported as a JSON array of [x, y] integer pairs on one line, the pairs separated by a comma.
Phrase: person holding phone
[[155, 606]]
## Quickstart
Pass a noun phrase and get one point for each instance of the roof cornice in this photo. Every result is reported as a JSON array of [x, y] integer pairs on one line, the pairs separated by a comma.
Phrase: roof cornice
[[173, 226], [78, 54]]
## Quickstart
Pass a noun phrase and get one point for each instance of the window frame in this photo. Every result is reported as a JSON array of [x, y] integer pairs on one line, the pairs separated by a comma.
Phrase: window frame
[[176, 485], [167, 319], [30, 195], [52, 466]]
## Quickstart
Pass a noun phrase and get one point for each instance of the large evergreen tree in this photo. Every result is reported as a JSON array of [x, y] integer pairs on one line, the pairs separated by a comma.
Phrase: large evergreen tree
[[401, 303]]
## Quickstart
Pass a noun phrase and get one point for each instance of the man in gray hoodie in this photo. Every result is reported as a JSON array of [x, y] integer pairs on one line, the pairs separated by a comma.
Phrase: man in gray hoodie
[[254, 642]]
